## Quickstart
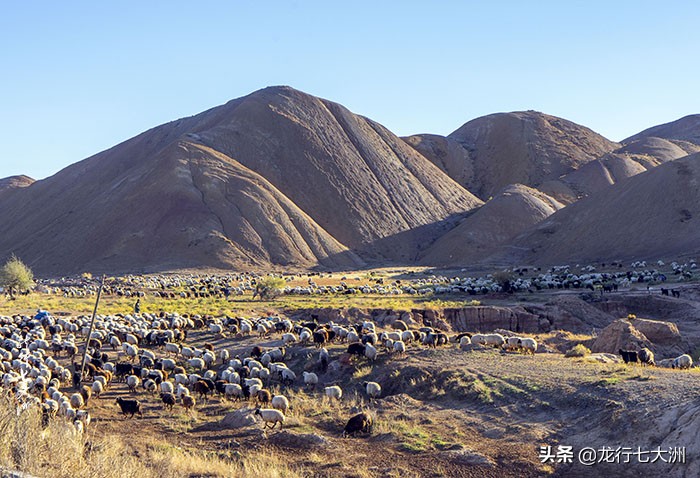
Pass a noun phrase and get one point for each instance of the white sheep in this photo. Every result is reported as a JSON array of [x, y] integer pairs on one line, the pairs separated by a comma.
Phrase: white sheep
[[288, 338], [76, 401], [334, 392], [233, 390], [97, 388], [166, 387], [512, 344], [370, 352], [172, 348], [196, 363], [464, 342], [479, 339], [684, 361], [270, 415], [310, 379], [399, 347], [280, 402], [528, 345], [494, 340], [132, 381], [373, 389]]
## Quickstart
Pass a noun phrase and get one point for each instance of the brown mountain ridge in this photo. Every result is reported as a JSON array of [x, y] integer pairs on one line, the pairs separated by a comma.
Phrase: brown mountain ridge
[[283, 179]]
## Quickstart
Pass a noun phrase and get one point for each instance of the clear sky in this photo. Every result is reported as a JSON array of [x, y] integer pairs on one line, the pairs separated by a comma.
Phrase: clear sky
[[79, 77]]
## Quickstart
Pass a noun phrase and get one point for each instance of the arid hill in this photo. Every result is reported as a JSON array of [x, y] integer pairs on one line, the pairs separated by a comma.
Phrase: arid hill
[[651, 215], [9, 184], [520, 147], [277, 178], [509, 213], [680, 132]]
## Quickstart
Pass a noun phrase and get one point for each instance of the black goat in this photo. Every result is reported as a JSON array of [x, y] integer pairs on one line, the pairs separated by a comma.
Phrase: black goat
[[362, 422], [629, 356], [130, 407]]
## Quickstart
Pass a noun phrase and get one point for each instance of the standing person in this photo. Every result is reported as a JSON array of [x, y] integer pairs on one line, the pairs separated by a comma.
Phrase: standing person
[[137, 306]]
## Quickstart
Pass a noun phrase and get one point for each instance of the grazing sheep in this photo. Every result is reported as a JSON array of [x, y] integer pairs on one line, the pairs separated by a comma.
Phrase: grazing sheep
[[288, 376], [399, 325], [166, 387], [280, 403], [201, 388], [370, 352], [86, 393], [373, 389], [288, 338], [263, 396], [129, 407], [529, 346], [233, 390], [494, 340], [399, 347], [464, 342], [188, 402], [132, 381], [270, 415], [479, 339], [334, 392], [310, 379], [196, 363], [97, 388], [150, 386], [512, 344], [684, 361], [646, 356], [168, 400], [362, 422], [76, 401]]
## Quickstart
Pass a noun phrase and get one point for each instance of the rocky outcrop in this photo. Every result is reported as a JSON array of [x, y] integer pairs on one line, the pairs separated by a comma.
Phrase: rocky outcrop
[[661, 337], [462, 319], [621, 334]]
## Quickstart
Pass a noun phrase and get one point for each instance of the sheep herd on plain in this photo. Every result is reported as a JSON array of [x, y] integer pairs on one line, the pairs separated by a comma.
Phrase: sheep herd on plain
[[524, 279], [151, 355]]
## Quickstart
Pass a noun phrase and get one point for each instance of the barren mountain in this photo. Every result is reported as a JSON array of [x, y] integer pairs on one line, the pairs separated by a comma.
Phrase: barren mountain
[[680, 132], [447, 154], [275, 178], [527, 148], [650, 215], [509, 213], [12, 183]]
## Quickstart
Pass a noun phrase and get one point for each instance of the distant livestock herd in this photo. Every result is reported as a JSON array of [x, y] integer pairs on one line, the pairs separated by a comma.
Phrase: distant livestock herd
[[224, 286]]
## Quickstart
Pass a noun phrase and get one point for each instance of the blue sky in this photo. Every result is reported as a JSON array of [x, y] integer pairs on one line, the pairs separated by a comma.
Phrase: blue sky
[[80, 77]]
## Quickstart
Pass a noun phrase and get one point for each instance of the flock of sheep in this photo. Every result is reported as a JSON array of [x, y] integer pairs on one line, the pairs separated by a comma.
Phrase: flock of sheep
[[236, 284], [150, 353]]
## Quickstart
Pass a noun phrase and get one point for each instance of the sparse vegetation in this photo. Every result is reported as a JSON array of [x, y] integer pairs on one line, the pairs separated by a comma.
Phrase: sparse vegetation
[[269, 288], [15, 276], [578, 350]]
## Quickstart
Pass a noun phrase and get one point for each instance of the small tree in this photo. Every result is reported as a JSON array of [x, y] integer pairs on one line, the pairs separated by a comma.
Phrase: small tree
[[505, 280], [268, 288], [15, 276]]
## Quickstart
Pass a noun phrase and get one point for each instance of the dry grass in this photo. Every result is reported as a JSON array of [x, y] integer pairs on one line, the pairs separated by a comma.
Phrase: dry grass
[[59, 451]]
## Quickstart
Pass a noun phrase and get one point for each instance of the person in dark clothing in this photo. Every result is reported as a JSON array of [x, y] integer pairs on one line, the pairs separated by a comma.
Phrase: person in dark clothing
[[137, 306]]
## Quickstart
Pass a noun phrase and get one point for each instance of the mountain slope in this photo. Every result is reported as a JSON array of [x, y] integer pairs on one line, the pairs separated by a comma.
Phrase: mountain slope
[[527, 148], [509, 213], [655, 214], [278, 177], [488, 153], [682, 131]]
